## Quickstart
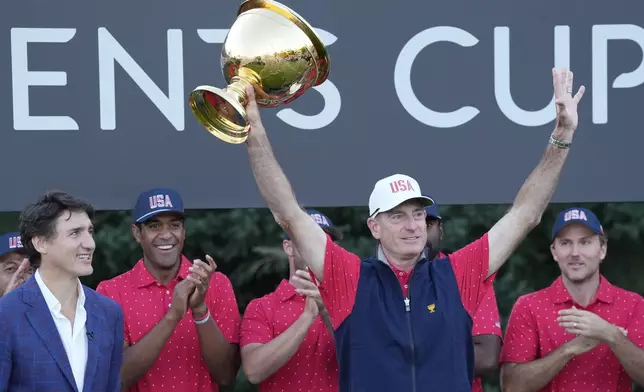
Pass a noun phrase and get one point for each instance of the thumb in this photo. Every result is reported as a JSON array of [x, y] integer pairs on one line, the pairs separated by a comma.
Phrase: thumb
[[251, 103], [212, 263]]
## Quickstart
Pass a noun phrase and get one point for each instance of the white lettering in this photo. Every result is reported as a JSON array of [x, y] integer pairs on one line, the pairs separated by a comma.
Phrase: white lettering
[[502, 91], [22, 78], [402, 77], [575, 214], [601, 35], [171, 106]]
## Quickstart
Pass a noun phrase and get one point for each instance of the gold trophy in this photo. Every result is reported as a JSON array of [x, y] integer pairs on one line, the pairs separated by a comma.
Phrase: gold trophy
[[271, 48]]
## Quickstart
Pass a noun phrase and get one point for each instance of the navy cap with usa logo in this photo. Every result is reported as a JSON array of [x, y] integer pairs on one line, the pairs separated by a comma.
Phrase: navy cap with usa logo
[[10, 242], [580, 215], [432, 211], [155, 201], [325, 223]]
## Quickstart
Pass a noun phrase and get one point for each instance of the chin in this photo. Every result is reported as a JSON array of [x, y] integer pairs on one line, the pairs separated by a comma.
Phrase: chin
[[83, 271], [413, 251]]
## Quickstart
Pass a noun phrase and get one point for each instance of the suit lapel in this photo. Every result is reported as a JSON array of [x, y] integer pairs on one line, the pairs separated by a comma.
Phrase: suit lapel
[[43, 324], [95, 322]]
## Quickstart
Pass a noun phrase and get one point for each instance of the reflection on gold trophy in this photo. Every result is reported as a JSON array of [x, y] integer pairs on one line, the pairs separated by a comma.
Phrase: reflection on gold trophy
[[271, 48]]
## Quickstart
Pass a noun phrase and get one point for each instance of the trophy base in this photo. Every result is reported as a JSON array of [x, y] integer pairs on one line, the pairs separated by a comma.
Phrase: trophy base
[[221, 113]]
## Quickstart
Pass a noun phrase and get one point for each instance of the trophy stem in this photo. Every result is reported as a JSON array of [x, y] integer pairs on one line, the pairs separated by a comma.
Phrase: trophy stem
[[221, 111], [245, 78]]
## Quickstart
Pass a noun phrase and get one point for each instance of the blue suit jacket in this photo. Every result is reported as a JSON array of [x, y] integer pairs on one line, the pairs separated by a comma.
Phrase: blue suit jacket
[[32, 356]]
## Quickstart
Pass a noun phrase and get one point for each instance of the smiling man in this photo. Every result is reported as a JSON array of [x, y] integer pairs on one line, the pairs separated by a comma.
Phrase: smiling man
[[403, 323], [581, 333], [58, 335], [163, 349]]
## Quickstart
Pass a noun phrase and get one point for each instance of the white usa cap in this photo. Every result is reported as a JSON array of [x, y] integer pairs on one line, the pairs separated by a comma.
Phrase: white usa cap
[[394, 190]]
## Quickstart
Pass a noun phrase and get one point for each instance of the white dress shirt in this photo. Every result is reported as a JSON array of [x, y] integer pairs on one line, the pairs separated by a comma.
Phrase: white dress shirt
[[74, 338]]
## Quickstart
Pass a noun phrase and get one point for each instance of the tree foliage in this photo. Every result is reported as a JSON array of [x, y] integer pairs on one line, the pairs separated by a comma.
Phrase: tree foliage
[[247, 245]]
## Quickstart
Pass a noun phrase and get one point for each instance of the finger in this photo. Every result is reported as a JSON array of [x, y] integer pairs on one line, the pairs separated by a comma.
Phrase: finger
[[555, 83], [571, 325], [302, 283], [308, 293], [200, 273], [570, 318], [576, 331], [569, 79], [252, 103], [194, 280], [23, 267], [572, 312], [199, 265], [211, 262], [303, 274], [579, 94]]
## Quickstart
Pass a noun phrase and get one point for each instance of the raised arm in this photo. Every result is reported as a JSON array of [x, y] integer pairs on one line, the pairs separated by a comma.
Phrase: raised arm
[[536, 192], [309, 238]]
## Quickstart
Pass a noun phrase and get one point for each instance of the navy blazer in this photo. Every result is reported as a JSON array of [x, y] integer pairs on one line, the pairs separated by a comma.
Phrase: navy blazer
[[32, 356]]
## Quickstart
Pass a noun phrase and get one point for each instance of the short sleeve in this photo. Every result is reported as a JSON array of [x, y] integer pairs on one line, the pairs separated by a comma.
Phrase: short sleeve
[[521, 336], [223, 307], [255, 326], [340, 281], [107, 290], [635, 328], [487, 320], [471, 265]]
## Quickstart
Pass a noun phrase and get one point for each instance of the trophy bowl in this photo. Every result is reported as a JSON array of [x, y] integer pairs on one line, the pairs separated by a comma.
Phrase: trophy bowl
[[268, 47]]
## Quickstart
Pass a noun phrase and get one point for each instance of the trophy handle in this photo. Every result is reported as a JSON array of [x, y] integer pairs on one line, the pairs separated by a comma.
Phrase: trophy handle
[[222, 111]]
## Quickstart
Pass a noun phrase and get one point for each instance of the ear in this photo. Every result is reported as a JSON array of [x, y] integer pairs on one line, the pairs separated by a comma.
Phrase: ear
[[440, 230], [136, 233], [288, 248], [603, 251], [374, 226], [552, 251], [40, 245]]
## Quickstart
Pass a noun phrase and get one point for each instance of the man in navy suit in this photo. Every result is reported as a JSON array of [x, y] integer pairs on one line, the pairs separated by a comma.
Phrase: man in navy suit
[[57, 335]]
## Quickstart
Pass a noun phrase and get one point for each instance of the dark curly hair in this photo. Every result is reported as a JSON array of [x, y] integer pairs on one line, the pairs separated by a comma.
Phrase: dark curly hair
[[39, 219]]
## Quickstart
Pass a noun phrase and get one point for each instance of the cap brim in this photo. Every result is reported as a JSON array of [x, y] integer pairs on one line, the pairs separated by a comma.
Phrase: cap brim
[[425, 200], [334, 233], [21, 251], [152, 214], [594, 230]]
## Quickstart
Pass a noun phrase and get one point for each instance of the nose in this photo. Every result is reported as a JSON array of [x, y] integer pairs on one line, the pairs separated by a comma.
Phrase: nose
[[410, 224], [165, 234], [88, 242], [574, 250]]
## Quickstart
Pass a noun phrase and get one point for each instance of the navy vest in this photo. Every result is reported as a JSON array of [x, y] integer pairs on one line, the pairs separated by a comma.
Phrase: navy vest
[[385, 345]]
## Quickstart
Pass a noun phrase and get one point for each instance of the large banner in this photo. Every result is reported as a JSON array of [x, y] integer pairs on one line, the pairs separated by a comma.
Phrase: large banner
[[457, 94]]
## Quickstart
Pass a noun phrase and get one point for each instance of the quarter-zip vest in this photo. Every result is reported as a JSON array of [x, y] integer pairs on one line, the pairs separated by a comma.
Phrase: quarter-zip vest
[[394, 344]]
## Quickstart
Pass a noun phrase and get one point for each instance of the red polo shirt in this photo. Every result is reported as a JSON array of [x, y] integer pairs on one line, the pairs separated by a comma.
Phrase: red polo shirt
[[487, 321], [342, 273], [314, 366], [180, 366], [533, 332]]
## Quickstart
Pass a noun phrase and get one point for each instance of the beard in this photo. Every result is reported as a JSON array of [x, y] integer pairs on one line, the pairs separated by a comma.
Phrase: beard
[[579, 279]]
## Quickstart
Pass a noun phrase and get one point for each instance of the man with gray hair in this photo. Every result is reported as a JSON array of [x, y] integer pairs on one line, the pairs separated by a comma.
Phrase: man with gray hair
[[402, 322]]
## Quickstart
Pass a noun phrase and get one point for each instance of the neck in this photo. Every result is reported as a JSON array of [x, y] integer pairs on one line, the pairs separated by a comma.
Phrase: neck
[[162, 275], [294, 267], [400, 263], [584, 292], [62, 285]]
